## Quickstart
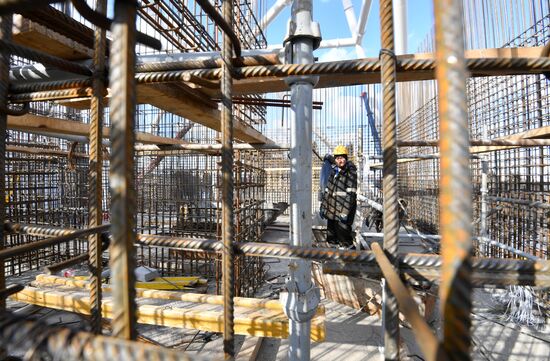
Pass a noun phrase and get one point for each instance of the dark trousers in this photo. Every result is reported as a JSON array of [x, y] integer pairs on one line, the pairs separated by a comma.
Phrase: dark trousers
[[339, 233]]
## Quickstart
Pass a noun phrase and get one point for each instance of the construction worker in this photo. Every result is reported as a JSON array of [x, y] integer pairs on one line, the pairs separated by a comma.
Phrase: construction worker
[[339, 200]]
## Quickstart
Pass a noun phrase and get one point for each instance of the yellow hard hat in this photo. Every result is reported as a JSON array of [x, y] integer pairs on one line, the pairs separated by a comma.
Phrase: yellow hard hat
[[340, 150]]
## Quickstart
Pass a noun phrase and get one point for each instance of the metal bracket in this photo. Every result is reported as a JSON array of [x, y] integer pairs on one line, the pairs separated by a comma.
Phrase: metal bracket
[[300, 306], [313, 31]]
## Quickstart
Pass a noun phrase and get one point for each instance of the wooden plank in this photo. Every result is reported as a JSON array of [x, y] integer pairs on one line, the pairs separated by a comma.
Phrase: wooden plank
[[36, 36], [538, 133], [171, 98], [260, 322], [49, 280], [249, 349], [59, 127]]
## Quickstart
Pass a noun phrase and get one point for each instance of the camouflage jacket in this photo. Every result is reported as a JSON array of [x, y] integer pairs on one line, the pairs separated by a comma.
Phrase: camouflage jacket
[[339, 200]]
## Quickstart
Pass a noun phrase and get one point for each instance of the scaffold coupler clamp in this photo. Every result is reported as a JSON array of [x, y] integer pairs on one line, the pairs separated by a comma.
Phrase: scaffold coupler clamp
[[300, 306], [302, 27]]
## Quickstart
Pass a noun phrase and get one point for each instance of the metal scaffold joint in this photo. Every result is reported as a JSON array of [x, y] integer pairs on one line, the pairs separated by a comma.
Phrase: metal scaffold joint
[[299, 306]]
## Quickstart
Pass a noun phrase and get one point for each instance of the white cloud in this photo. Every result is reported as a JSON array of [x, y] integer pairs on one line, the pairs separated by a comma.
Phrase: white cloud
[[335, 54]]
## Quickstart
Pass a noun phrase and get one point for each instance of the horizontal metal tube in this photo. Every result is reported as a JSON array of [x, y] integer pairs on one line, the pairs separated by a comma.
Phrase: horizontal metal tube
[[522, 202], [508, 248]]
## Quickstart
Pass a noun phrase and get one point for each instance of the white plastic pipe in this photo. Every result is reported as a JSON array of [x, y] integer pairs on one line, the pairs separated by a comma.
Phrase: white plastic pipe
[[353, 26], [272, 13], [363, 17], [400, 26], [350, 16]]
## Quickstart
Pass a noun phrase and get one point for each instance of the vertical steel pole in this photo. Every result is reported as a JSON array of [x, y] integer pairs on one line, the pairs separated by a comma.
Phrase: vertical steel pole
[[6, 22], [390, 315], [122, 252], [483, 232], [228, 232], [95, 188], [455, 197], [302, 297]]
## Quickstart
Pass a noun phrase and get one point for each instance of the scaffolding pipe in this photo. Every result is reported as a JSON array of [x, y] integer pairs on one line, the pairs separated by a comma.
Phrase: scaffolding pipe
[[485, 241], [302, 298], [455, 200], [483, 212]]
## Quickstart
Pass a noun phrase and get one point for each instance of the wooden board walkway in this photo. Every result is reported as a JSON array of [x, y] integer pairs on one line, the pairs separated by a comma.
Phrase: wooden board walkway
[[253, 317]]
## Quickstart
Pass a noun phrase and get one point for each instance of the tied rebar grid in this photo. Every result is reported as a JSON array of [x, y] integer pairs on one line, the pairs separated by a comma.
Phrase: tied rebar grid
[[227, 188], [95, 188], [389, 174], [122, 253], [455, 197], [5, 34]]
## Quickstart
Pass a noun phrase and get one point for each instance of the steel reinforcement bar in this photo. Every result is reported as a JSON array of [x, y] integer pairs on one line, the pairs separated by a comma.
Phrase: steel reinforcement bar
[[62, 343], [476, 67], [418, 266]]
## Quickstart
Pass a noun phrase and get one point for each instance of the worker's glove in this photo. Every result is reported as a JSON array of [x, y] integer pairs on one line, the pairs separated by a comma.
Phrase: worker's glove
[[329, 157], [322, 214], [343, 218]]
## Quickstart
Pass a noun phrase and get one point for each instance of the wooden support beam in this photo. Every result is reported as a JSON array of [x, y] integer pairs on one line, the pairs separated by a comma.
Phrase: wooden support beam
[[43, 280], [249, 349], [538, 133], [59, 128], [36, 36], [189, 103], [251, 321]]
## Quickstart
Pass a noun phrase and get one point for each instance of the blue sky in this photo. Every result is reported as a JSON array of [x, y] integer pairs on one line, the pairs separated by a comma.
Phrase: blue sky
[[331, 17]]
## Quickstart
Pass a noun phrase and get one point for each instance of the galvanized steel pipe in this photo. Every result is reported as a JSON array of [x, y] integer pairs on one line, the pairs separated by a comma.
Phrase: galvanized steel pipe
[[300, 301]]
